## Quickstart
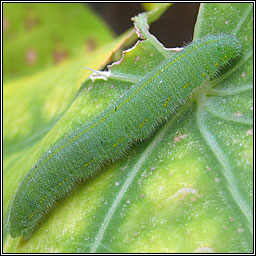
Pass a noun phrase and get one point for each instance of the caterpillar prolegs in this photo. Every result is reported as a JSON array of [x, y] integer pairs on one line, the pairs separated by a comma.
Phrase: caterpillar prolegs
[[133, 117]]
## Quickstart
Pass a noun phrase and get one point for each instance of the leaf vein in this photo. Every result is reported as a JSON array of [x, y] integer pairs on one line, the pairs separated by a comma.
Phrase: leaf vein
[[130, 178], [242, 19], [226, 117], [227, 169], [220, 92]]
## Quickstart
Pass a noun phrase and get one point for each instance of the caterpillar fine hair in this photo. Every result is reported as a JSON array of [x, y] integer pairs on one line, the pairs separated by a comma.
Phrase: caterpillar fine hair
[[133, 117]]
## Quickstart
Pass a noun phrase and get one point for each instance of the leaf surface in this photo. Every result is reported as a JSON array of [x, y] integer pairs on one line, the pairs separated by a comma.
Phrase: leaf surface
[[39, 35], [186, 189]]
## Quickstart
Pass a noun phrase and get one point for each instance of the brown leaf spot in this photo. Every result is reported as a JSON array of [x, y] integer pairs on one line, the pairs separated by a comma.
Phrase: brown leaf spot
[[238, 114], [249, 132], [5, 24], [31, 20], [231, 219], [179, 138], [90, 45], [208, 168], [59, 56], [31, 56], [31, 23]]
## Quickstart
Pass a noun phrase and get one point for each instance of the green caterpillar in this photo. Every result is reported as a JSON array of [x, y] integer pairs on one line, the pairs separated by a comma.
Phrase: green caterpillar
[[133, 117]]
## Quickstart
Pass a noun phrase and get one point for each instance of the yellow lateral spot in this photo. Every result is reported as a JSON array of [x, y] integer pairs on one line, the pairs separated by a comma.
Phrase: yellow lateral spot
[[203, 74], [30, 216], [43, 198], [93, 160], [225, 56], [185, 85], [114, 145], [168, 99], [86, 164], [142, 124], [216, 64], [60, 183]]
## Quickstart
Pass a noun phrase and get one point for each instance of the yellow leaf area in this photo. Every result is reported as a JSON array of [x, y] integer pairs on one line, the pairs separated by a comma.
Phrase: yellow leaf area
[[46, 94]]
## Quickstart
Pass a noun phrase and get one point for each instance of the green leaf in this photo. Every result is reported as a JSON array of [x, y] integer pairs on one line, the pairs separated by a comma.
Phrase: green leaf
[[186, 189], [45, 34]]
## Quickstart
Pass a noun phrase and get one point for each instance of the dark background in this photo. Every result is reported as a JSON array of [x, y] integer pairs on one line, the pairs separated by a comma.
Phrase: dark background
[[173, 29]]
